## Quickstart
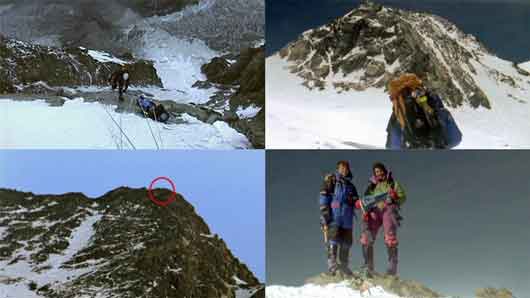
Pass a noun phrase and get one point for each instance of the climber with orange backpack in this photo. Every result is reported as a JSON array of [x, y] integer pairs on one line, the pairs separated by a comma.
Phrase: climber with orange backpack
[[419, 118]]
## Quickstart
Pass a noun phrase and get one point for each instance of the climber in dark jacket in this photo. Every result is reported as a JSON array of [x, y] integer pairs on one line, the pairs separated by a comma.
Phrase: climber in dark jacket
[[337, 211], [419, 118], [120, 79]]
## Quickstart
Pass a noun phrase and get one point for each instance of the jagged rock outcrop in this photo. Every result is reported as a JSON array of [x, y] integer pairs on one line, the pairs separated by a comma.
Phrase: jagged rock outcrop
[[242, 86], [23, 64], [373, 44], [118, 245]]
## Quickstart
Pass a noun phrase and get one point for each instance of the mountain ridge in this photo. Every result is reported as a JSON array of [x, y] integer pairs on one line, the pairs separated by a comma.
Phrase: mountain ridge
[[371, 44], [70, 245]]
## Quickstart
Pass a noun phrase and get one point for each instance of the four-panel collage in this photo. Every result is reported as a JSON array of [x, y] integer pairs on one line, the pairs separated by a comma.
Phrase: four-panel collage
[[264, 149]]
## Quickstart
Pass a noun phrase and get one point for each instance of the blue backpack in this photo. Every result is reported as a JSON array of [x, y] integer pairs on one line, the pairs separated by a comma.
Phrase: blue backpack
[[145, 103]]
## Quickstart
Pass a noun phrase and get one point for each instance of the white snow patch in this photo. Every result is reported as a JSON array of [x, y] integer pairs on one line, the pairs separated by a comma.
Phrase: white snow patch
[[525, 66], [56, 274], [245, 293], [178, 64], [248, 112], [3, 230], [207, 235], [238, 281], [339, 290], [178, 270], [105, 57], [79, 124]]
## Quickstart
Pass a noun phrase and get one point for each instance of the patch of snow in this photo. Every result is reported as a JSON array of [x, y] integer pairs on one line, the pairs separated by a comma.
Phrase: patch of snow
[[178, 270], [246, 293], [248, 112], [80, 124], [178, 64], [525, 66], [139, 246], [53, 203], [339, 290], [207, 235], [56, 274], [3, 230], [105, 57], [239, 281]]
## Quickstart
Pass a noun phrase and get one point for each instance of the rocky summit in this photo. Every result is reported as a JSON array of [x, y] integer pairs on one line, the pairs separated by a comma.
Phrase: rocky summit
[[391, 284], [118, 245], [373, 44]]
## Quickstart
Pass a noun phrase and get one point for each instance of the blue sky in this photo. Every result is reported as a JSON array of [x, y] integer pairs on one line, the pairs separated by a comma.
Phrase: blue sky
[[227, 188]]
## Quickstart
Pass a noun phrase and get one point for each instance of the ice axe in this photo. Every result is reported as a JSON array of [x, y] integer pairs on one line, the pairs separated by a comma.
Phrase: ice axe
[[325, 232]]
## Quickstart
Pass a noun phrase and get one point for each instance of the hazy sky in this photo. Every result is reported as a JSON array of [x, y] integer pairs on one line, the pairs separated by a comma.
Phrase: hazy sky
[[501, 25], [226, 187], [466, 217]]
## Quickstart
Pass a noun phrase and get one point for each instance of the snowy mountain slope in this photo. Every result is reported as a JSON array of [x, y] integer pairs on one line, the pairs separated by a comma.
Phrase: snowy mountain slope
[[70, 246], [327, 89], [79, 124]]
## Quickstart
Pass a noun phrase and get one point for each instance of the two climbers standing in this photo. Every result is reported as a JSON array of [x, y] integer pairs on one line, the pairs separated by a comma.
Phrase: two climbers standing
[[338, 201]]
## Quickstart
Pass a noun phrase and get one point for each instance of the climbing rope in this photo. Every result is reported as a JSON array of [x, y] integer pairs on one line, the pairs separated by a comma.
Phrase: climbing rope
[[150, 129], [120, 128]]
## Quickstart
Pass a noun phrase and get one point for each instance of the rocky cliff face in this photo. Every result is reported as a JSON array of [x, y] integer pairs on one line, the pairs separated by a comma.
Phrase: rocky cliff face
[[119, 245], [241, 96], [373, 44], [23, 64]]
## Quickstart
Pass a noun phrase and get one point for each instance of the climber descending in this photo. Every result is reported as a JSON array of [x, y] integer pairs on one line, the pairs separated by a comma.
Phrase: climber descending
[[120, 79], [419, 118]]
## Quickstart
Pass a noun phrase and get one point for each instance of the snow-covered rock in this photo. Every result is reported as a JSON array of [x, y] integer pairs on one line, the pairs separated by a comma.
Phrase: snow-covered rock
[[23, 64], [525, 66]]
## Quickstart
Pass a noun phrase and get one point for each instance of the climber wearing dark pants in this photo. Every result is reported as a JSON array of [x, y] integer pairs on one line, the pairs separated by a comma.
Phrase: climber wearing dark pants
[[120, 79]]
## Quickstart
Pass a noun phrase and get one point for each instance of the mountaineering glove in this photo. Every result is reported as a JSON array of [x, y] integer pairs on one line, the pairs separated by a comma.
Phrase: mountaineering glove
[[358, 204], [393, 194]]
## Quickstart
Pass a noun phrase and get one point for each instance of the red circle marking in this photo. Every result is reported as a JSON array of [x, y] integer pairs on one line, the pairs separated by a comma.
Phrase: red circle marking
[[155, 200]]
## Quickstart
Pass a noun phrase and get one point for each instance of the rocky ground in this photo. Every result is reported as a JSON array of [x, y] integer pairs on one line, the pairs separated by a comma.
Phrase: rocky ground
[[392, 284], [137, 249]]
